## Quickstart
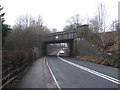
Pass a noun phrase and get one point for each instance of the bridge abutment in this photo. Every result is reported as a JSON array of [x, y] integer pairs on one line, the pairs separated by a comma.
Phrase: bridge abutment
[[44, 49]]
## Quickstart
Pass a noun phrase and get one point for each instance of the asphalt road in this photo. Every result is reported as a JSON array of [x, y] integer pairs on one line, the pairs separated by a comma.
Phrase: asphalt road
[[73, 73], [69, 76], [54, 53], [67, 72]]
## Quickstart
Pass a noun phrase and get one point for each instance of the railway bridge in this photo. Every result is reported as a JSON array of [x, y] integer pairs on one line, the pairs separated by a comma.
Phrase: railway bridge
[[70, 37]]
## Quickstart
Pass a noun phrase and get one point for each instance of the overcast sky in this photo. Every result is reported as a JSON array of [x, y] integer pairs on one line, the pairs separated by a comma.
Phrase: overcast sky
[[55, 12]]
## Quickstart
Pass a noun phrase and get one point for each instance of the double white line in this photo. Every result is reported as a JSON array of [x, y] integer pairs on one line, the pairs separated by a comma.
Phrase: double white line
[[92, 71]]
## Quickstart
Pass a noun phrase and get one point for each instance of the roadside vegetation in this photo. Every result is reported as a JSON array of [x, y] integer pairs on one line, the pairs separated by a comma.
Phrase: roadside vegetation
[[27, 33], [97, 35], [20, 44], [18, 41]]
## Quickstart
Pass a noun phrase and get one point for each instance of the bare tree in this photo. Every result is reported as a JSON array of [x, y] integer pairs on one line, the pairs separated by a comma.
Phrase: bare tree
[[102, 13], [68, 28], [75, 21], [39, 21], [94, 24], [26, 21], [115, 26], [101, 17], [23, 22], [98, 25], [28, 32], [54, 30], [98, 22]]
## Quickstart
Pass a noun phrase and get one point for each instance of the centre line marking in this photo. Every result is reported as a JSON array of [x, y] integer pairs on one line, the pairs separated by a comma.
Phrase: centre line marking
[[92, 71]]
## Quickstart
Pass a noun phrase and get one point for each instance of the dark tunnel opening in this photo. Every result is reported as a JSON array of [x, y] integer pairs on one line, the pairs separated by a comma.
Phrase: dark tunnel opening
[[64, 48]]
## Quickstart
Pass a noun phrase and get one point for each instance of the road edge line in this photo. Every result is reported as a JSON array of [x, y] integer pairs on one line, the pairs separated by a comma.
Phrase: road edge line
[[52, 74]]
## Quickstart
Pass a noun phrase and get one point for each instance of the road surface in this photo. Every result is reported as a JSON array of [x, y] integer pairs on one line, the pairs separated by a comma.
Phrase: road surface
[[74, 73], [67, 72], [70, 76]]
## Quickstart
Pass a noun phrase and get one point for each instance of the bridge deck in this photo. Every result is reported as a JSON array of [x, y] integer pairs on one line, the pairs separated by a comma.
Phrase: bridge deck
[[65, 35]]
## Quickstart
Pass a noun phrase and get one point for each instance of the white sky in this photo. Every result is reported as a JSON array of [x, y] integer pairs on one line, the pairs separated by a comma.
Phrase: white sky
[[55, 12]]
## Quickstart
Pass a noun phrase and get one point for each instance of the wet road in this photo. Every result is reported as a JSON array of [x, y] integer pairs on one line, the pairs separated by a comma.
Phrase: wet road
[[67, 72], [70, 76], [38, 76]]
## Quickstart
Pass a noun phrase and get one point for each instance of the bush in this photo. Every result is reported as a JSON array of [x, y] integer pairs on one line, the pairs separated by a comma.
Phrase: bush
[[105, 60], [14, 62]]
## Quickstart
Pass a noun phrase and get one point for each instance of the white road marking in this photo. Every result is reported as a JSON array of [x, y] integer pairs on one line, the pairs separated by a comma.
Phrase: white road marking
[[53, 75], [92, 71]]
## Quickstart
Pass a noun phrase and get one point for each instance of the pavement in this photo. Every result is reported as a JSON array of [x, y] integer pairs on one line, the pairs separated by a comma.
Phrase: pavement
[[38, 76]]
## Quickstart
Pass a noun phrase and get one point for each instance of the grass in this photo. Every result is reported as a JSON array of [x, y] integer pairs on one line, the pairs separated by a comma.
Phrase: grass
[[108, 61]]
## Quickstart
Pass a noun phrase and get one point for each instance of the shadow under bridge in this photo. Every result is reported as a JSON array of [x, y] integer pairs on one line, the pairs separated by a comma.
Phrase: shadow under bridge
[[69, 37]]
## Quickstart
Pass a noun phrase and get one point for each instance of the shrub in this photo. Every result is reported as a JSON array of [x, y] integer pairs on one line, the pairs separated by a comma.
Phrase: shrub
[[14, 62]]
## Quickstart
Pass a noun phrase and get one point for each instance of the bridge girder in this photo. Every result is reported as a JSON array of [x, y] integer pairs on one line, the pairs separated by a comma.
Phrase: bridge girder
[[64, 37]]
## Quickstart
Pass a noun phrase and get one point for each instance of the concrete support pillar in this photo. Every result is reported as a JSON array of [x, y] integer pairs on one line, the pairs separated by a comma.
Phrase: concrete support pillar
[[72, 49], [75, 47]]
